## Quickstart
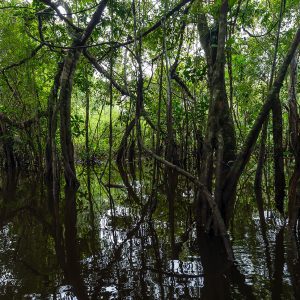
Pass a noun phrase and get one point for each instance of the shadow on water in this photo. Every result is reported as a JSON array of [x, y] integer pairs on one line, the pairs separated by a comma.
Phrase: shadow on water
[[109, 243]]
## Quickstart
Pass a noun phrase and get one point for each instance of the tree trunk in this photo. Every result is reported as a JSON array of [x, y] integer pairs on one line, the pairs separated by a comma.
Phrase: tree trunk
[[67, 148], [52, 172], [70, 63], [279, 179], [294, 184], [220, 132], [239, 164], [86, 125], [258, 177]]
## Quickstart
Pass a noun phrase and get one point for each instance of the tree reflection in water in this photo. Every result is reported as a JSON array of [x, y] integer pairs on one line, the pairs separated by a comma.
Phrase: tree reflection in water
[[80, 246]]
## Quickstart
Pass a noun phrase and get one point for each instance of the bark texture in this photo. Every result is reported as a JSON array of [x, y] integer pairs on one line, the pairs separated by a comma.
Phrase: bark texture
[[294, 184]]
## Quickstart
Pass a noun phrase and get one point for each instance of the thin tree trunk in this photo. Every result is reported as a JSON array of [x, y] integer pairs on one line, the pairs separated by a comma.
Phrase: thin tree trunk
[[294, 184], [279, 179], [87, 121], [171, 147], [258, 177]]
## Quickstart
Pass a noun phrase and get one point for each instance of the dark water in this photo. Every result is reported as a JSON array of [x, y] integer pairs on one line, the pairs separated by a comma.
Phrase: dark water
[[108, 247]]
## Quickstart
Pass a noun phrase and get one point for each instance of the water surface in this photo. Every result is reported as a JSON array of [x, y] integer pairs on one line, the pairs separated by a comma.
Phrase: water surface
[[108, 246]]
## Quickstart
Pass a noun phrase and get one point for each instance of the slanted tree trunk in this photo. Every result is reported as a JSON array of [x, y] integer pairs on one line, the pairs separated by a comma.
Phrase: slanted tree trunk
[[243, 157], [277, 138], [279, 179]]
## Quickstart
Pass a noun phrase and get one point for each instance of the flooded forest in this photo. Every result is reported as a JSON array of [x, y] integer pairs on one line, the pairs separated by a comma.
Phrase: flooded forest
[[149, 149]]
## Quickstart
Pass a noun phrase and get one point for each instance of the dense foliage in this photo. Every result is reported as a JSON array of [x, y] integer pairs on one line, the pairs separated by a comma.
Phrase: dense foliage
[[190, 84]]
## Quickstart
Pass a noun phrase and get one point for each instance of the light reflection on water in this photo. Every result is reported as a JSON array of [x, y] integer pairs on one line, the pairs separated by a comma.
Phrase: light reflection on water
[[126, 256]]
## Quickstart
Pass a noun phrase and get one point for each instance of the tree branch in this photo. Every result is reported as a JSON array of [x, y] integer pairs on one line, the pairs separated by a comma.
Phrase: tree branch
[[245, 153], [55, 6], [207, 195], [24, 124], [24, 60]]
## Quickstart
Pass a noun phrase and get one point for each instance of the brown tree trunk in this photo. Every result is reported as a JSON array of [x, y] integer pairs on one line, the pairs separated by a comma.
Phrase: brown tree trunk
[[7, 142], [87, 122], [69, 67], [67, 149], [279, 179], [294, 184], [220, 132], [52, 172], [258, 177]]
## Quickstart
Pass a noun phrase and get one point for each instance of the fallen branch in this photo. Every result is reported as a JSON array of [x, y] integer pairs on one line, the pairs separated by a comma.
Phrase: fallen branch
[[201, 189]]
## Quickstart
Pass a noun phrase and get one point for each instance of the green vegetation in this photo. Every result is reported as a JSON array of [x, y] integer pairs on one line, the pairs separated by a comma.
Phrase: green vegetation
[[202, 94]]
